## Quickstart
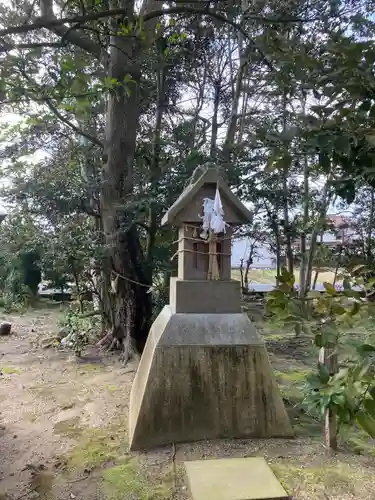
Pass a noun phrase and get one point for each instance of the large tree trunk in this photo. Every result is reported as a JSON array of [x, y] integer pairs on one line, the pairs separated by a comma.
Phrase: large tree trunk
[[131, 301], [215, 125], [155, 170], [370, 227], [303, 265], [324, 203], [128, 305], [285, 196]]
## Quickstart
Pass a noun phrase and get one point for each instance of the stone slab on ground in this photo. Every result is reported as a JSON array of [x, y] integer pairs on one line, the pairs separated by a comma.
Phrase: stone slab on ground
[[233, 479]]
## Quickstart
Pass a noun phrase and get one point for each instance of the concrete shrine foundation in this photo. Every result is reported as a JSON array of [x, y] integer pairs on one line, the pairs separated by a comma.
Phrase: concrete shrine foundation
[[204, 372], [204, 376]]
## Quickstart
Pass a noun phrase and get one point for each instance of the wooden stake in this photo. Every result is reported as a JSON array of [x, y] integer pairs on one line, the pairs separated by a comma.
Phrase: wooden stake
[[213, 266], [328, 358]]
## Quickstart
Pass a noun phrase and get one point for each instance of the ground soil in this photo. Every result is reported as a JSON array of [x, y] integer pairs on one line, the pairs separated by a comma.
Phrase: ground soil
[[63, 431]]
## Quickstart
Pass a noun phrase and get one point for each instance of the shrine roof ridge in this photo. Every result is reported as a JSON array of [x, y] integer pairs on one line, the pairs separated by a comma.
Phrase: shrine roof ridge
[[209, 176]]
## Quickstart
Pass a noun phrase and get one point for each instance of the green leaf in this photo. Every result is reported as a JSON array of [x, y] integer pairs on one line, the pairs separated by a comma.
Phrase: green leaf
[[314, 381], [339, 399], [359, 372], [360, 267], [323, 373], [369, 405], [365, 349], [337, 309], [298, 329], [329, 288], [291, 318], [372, 112], [352, 294], [313, 294], [365, 106], [367, 423], [318, 340], [370, 283], [342, 374], [355, 309], [346, 284]]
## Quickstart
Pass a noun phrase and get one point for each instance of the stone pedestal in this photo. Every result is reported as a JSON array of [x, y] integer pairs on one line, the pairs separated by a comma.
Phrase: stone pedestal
[[205, 371], [204, 376], [205, 296]]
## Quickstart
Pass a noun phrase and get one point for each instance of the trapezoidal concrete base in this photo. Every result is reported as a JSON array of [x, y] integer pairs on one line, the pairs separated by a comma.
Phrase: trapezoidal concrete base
[[204, 376]]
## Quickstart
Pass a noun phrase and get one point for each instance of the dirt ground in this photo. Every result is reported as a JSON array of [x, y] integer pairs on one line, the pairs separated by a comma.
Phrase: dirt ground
[[63, 431]]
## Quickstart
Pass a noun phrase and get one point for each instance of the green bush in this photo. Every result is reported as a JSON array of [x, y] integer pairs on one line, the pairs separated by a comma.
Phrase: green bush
[[80, 329]]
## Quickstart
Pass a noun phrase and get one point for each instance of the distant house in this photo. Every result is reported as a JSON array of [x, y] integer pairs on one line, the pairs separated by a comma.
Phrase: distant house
[[340, 233], [265, 259]]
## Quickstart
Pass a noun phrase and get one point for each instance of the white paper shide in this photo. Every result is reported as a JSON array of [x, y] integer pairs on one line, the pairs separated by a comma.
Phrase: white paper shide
[[213, 216]]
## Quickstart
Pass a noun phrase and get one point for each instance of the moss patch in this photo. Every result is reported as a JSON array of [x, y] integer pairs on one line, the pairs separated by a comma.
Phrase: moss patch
[[357, 441], [97, 447], [294, 375], [122, 475], [112, 388], [336, 478], [42, 483], [290, 384], [10, 370], [69, 427], [90, 367], [127, 481]]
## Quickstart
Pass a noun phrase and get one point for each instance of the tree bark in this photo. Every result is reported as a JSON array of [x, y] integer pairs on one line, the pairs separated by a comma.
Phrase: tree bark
[[237, 92], [128, 307], [314, 236], [315, 279], [215, 126], [155, 171], [285, 196], [305, 221], [370, 227], [131, 303]]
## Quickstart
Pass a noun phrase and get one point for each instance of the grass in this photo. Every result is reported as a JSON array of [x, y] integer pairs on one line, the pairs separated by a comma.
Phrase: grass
[[293, 359], [316, 480], [121, 475], [10, 370], [99, 464], [127, 480], [97, 447], [69, 427]]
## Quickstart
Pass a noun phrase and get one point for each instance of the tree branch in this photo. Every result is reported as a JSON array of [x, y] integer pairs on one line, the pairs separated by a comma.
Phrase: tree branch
[[72, 34], [61, 117], [5, 47], [76, 129], [46, 21]]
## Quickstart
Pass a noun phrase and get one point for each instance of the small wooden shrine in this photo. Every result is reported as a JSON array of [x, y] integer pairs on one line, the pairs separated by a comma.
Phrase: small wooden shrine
[[203, 253], [205, 371]]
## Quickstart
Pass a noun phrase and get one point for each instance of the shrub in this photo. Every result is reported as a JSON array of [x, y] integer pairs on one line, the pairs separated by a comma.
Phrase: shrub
[[80, 329]]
